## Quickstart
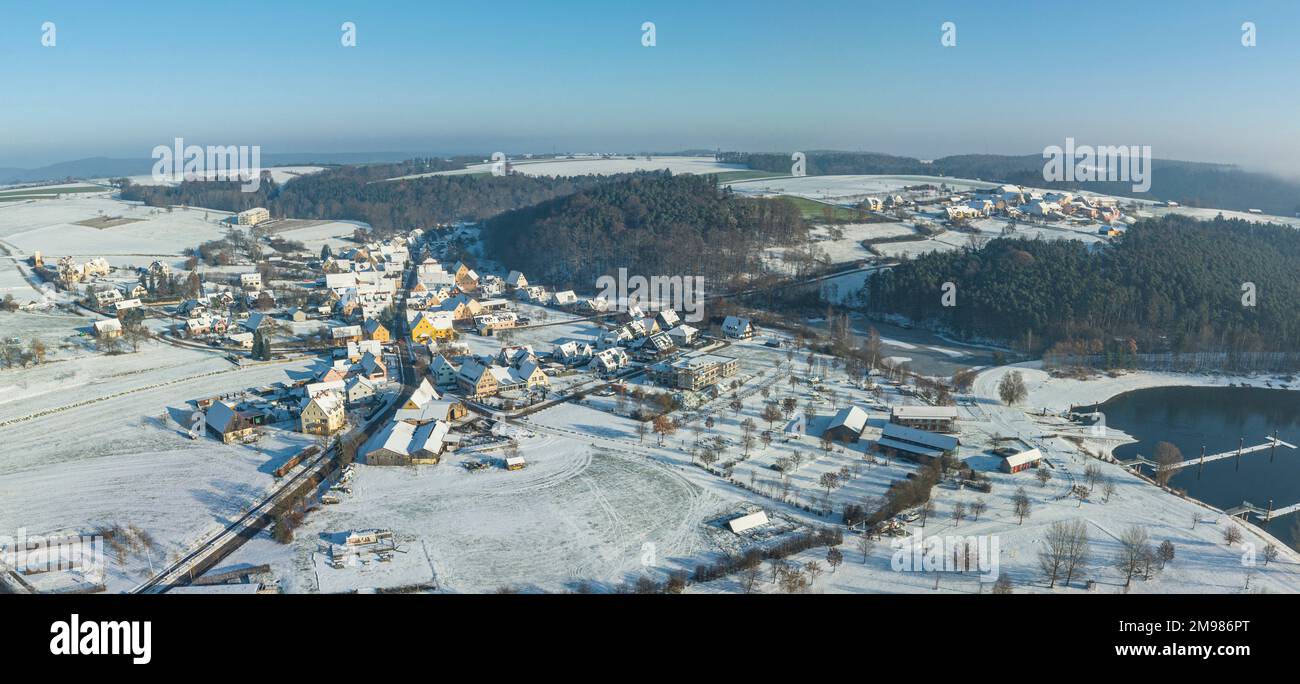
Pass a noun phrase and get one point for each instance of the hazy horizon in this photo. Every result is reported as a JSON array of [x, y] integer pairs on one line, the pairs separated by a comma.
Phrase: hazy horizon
[[756, 76]]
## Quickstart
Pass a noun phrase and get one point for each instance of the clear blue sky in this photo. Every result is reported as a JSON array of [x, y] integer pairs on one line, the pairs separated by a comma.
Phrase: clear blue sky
[[531, 76]]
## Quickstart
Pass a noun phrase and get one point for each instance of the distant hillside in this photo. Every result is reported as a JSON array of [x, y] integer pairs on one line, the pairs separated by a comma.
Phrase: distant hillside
[[106, 167], [359, 193], [1191, 183], [650, 223], [94, 167]]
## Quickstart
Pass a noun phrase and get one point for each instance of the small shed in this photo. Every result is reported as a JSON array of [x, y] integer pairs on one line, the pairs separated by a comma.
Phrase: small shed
[[1020, 461]]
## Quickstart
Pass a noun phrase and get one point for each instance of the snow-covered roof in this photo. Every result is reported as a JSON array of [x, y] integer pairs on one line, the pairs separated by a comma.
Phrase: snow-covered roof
[[423, 394], [852, 418], [925, 412], [894, 434], [1024, 457], [747, 522]]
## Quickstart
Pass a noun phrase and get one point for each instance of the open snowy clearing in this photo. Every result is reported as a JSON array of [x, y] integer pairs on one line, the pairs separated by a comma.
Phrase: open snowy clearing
[[50, 227], [585, 166], [847, 187], [280, 174]]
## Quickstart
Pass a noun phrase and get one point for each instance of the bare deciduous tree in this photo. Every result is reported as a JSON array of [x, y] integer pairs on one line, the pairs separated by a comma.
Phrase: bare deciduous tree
[[1020, 502], [1134, 552]]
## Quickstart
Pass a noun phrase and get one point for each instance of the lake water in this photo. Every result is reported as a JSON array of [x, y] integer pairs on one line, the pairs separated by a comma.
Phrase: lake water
[[1217, 417]]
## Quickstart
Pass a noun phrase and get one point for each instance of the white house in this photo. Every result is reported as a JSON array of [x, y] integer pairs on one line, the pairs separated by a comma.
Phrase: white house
[[737, 328]]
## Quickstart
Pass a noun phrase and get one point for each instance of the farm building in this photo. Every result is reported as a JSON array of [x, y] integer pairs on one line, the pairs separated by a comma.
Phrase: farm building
[[109, 327], [847, 425], [1021, 461], [402, 443], [932, 418], [917, 445], [228, 424]]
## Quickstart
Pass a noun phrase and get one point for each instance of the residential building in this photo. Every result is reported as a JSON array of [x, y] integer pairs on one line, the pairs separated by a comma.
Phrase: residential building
[[323, 414], [376, 331], [737, 328], [476, 380], [694, 373], [252, 217], [443, 371]]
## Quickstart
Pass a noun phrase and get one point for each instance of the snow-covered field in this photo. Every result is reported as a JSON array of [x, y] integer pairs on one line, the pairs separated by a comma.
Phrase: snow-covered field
[[280, 174], [50, 227], [574, 513], [336, 234], [96, 441], [583, 166], [848, 187]]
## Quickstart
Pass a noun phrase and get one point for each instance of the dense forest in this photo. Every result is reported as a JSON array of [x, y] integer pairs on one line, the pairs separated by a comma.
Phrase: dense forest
[[1174, 284], [1190, 183], [650, 223], [363, 193]]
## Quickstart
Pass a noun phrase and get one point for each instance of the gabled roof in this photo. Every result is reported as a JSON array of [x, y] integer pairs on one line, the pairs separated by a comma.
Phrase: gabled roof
[[423, 394], [925, 412], [1024, 457], [395, 437], [895, 433], [328, 401], [852, 418], [472, 372], [439, 361], [221, 417]]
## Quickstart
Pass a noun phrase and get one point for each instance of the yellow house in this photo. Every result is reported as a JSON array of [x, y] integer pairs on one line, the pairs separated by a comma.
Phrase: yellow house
[[376, 331], [476, 380], [432, 326], [323, 414], [532, 375]]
